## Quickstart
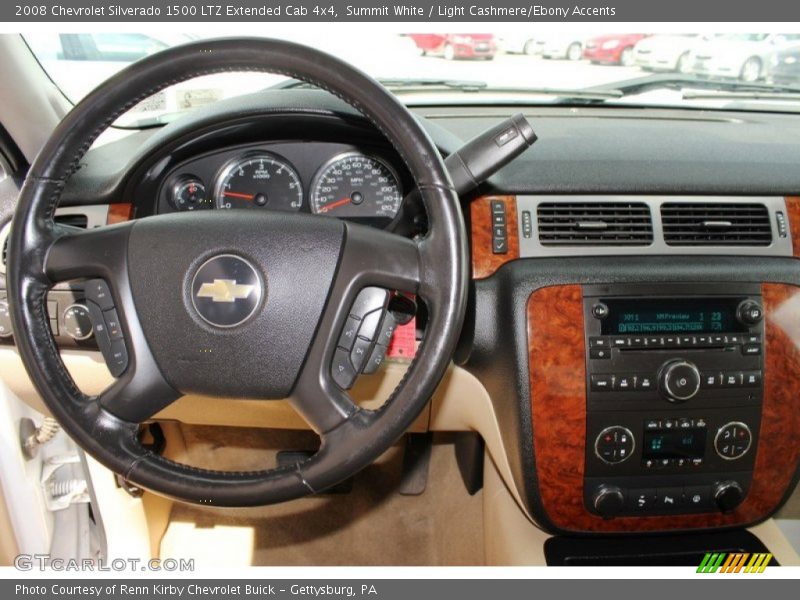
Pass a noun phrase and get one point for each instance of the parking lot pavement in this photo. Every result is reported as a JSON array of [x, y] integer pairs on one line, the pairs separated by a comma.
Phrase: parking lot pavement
[[511, 70]]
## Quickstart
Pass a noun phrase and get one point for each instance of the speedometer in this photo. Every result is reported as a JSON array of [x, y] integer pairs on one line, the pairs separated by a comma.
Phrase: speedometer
[[354, 185], [259, 181]]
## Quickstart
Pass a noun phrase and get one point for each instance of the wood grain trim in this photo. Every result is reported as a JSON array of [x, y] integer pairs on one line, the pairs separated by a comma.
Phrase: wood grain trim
[[119, 213], [558, 408], [484, 261], [793, 214]]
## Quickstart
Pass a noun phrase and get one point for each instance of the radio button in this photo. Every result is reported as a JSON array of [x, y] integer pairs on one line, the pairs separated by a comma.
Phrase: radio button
[[637, 342], [644, 382], [619, 342], [751, 349], [752, 339], [653, 342], [733, 379], [752, 378], [601, 382], [598, 342], [600, 353], [680, 380], [671, 341], [623, 383], [733, 339], [688, 340], [710, 379]]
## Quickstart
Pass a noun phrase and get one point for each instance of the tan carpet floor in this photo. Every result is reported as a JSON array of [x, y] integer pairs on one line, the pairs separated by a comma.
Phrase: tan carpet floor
[[372, 525]]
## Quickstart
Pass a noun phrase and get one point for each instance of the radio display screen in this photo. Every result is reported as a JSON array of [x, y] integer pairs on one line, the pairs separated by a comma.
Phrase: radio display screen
[[665, 316], [674, 443]]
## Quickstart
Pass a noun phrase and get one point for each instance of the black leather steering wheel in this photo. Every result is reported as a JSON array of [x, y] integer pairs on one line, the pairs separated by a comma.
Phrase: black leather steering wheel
[[309, 269]]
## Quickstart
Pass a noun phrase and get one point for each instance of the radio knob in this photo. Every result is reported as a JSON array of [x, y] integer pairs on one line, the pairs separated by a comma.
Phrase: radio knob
[[608, 500], [749, 313], [679, 380], [728, 495]]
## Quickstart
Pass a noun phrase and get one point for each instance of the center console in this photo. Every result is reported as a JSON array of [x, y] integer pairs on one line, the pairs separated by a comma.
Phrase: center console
[[674, 380], [663, 406]]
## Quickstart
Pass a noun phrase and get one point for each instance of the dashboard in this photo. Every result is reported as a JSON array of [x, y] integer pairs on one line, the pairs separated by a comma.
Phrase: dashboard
[[561, 379], [356, 183]]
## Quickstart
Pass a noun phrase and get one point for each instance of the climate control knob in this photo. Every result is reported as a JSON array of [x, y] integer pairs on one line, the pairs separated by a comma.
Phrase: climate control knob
[[608, 500], [679, 380], [728, 495]]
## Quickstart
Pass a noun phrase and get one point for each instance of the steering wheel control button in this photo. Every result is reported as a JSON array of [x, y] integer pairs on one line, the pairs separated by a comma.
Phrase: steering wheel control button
[[342, 369], [733, 440], [679, 380], [96, 290], [348, 336], [118, 358], [369, 325], [226, 291], [360, 353], [5, 320], [369, 299], [78, 322], [614, 444], [375, 359], [112, 324]]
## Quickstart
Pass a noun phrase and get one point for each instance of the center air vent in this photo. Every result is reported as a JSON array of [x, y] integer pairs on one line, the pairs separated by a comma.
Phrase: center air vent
[[594, 224], [716, 224]]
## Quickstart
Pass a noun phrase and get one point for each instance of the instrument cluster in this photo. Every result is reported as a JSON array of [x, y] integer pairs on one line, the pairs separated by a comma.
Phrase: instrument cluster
[[331, 179]]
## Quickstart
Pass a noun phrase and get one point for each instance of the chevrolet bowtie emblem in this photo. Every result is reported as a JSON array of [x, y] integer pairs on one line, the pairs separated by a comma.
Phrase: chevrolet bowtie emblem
[[225, 290]]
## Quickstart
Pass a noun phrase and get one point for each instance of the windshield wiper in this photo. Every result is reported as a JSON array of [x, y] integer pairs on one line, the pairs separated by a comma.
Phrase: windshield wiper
[[679, 83]]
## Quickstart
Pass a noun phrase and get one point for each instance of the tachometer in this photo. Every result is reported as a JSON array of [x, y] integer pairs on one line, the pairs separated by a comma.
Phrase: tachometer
[[354, 185], [259, 181]]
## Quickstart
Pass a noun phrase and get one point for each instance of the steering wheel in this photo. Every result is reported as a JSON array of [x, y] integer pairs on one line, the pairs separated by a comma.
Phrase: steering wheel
[[271, 329]]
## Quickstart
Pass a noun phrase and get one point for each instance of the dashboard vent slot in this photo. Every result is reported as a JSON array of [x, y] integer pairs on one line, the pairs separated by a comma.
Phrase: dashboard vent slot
[[4, 231], [594, 224], [716, 224]]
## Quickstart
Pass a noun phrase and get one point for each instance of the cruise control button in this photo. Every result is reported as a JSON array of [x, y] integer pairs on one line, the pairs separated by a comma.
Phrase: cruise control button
[[342, 370]]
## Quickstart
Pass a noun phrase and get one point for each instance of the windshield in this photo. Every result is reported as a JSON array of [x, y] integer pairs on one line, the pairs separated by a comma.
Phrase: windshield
[[742, 71]]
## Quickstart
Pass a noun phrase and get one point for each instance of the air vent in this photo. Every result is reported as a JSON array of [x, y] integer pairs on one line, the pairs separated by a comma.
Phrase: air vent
[[594, 224], [716, 224]]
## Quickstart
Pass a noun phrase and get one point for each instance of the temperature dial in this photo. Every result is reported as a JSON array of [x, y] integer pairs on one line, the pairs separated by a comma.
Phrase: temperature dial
[[190, 194], [77, 322]]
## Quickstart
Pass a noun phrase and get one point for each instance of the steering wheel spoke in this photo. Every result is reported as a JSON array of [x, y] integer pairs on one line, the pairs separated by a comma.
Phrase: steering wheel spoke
[[99, 257]]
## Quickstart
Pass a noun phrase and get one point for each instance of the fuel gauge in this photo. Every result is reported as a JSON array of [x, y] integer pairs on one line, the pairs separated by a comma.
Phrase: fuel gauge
[[189, 193]]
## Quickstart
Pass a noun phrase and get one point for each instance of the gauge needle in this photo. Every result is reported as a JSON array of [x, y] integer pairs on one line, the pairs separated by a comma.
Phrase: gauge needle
[[238, 195], [336, 204]]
